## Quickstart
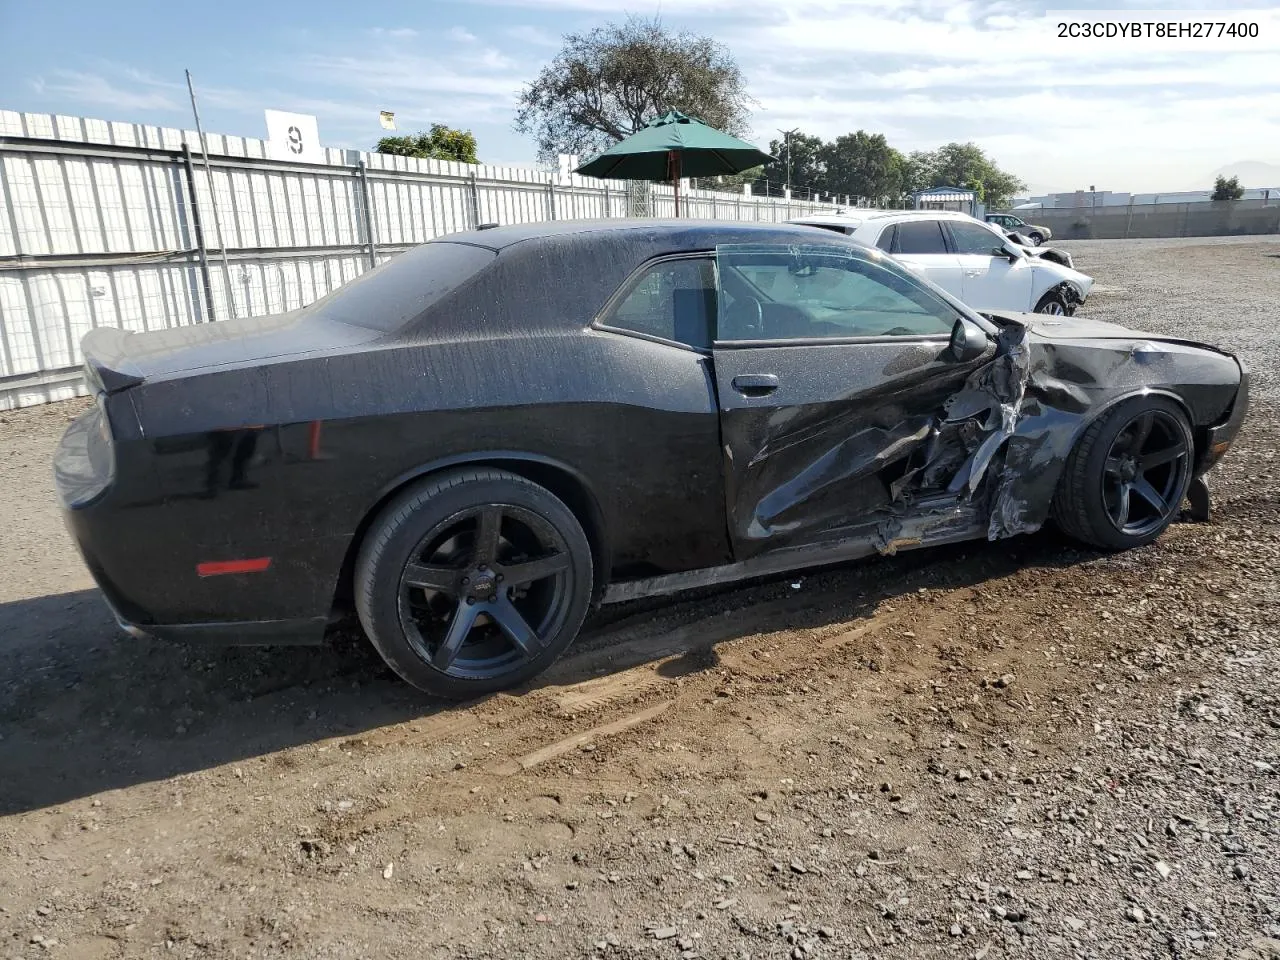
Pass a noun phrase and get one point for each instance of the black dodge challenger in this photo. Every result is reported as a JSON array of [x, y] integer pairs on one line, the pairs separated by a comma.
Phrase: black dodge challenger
[[481, 438]]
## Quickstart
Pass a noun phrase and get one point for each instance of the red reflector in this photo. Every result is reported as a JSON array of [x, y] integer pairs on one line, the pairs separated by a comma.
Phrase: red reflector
[[216, 568]]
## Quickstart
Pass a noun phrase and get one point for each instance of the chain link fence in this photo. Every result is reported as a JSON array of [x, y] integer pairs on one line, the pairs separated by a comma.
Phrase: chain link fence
[[126, 225]]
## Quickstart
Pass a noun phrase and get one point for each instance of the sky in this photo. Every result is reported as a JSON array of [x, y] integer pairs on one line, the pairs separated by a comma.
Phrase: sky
[[1063, 114]]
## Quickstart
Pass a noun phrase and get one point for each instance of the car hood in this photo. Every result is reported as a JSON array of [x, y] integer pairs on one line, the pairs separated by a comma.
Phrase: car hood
[[1086, 328]]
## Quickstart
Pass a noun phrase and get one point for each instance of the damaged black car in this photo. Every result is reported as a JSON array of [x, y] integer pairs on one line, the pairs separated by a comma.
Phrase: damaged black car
[[475, 442]]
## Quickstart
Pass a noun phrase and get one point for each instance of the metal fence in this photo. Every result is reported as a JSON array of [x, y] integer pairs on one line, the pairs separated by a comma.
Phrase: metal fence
[[1133, 220], [121, 224]]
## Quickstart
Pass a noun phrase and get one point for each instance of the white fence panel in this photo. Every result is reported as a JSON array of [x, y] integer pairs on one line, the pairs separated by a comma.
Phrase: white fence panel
[[100, 224]]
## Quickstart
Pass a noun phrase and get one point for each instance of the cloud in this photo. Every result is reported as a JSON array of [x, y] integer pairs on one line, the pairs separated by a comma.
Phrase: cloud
[[533, 36], [1132, 115], [92, 88]]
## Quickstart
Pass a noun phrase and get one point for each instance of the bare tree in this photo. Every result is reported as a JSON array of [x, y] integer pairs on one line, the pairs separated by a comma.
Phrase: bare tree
[[605, 85]]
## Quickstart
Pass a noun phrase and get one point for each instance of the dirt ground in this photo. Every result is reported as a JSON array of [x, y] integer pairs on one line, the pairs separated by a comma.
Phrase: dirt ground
[[1020, 749]]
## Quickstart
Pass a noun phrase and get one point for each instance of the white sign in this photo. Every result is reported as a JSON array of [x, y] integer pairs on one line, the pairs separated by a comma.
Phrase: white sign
[[387, 119], [293, 136]]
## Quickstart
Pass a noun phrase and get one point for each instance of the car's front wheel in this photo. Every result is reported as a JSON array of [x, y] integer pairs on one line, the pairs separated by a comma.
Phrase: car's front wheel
[[1127, 476], [473, 581], [1036, 237], [1052, 303]]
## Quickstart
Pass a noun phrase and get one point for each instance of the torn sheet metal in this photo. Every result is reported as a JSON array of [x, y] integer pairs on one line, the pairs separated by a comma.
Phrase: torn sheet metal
[[914, 465]]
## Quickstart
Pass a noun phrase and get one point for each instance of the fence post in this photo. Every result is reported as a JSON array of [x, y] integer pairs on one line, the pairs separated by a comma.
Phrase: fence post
[[367, 204], [551, 199], [195, 222], [607, 212], [475, 200]]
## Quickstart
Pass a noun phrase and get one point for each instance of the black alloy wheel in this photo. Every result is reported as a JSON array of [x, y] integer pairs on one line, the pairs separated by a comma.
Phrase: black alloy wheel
[[473, 581], [1125, 479], [485, 590], [1145, 473]]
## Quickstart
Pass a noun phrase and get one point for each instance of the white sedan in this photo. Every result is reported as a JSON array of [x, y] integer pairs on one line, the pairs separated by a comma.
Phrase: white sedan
[[973, 261]]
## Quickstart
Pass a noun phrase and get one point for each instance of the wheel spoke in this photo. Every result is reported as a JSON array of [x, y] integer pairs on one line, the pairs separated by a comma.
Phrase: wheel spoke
[[1148, 493], [1142, 430], [532, 570], [431, 577], [514, 625], [1122, 511], [464, 617], [488, 530], [1161, 457]]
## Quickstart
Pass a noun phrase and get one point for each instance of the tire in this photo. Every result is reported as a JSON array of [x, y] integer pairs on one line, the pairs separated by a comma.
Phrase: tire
[[438, 588], [1053, 303], [1036, 237], [1139, 452]]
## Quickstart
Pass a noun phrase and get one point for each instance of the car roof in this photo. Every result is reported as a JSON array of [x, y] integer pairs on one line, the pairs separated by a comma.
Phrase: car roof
[[857, 217], [678, 234]]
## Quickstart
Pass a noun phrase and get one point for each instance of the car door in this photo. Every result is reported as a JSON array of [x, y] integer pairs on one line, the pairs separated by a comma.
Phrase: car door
[[990, 281], [831, 366], [921, 246]]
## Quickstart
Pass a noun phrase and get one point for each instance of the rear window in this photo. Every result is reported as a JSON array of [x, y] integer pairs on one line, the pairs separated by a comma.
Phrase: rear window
[[390, 296]]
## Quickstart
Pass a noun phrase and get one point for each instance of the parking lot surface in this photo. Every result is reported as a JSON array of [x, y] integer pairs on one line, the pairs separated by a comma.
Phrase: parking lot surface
[[1013, 749]]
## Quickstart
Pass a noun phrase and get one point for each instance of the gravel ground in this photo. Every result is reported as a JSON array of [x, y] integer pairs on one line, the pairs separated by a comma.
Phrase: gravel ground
[[1019, 749]]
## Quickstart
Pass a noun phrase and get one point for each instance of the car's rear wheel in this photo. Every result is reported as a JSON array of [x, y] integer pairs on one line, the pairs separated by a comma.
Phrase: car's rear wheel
[[1052, 303], [1036, 237], [1127, 476], [473, 581]]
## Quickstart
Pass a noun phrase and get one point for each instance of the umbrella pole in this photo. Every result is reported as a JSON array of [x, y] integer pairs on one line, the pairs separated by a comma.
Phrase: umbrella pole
[[674, 162]]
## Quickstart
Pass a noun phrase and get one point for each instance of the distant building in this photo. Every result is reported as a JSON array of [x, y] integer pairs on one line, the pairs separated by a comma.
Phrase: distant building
[[947, 198]]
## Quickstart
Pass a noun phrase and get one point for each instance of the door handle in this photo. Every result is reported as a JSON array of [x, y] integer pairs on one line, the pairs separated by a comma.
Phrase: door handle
[[755, 384], [973, 273]]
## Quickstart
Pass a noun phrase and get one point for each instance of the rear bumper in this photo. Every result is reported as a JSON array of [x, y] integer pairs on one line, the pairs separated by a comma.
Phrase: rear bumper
[[307, 631]]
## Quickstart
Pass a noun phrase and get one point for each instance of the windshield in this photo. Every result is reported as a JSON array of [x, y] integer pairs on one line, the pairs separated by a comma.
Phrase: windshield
[[388, 297]]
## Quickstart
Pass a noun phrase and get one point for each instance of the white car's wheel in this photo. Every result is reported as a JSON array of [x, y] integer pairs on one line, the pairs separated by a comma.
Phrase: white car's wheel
[[1053, 304]]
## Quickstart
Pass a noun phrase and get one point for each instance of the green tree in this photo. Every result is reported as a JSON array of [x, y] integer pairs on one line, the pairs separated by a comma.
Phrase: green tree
[[966, 165], [441, 143], [806, 162], [862, 164], [917, 171], [605, 85], [1224, 189]]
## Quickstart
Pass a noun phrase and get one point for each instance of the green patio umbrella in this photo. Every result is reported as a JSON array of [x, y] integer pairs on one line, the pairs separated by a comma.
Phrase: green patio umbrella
[[671, 147]]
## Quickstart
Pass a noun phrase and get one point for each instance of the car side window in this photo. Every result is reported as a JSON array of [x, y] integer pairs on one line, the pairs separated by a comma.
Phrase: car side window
[[885, 242], [810, 294], [919, 236], [973, 239], [672, 299]]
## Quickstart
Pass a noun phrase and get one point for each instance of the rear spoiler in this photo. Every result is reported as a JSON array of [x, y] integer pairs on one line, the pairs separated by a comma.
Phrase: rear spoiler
[[107, 365]]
